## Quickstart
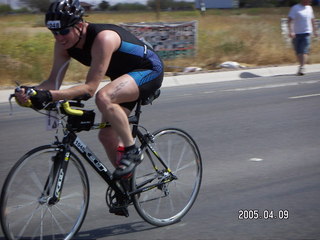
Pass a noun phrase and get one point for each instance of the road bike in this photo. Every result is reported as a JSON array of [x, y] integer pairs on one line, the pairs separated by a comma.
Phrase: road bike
[[46, 193]]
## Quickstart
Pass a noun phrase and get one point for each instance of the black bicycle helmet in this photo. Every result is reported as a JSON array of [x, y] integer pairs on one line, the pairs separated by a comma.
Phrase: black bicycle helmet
[[63, 14]]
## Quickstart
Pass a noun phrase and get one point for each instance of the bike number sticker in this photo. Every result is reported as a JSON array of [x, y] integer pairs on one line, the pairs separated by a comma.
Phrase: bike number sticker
[[53, 24], [52, 121]]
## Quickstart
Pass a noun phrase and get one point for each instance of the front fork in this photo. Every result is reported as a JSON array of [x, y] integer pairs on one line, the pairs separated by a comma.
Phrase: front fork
[[56, 177]]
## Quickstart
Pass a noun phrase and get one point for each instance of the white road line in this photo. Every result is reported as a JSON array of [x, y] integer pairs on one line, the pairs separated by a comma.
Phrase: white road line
[[271, 86], [305, 96], [209, 92], [256, 159]]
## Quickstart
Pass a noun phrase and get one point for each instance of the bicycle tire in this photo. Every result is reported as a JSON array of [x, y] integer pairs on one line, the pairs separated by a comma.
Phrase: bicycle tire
[[168, 203], [25, 214]]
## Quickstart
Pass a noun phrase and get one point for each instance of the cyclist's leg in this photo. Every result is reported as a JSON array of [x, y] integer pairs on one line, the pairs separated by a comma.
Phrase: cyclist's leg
[[126, 89], [111, 141], [120, 90]]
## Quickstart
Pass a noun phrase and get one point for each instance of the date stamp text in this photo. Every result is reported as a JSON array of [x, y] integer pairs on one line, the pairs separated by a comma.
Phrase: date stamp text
[[255, 214]]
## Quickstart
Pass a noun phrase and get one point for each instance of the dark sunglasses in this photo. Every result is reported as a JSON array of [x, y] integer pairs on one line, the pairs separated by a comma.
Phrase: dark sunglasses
[[61, 32]]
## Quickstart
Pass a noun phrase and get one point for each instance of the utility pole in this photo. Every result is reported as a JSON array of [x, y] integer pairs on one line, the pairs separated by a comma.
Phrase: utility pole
[[203, 7], [158, 9]]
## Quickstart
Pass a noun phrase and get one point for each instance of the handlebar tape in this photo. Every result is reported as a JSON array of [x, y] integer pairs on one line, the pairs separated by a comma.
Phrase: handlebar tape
[[70, 111]]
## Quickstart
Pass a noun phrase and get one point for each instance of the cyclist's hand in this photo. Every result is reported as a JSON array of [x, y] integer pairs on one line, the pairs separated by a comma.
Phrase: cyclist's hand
[[21, 97], [40, 98]]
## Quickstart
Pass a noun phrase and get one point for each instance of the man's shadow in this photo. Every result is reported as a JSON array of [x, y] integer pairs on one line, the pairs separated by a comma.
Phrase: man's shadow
[[248, 75], [252, 75]]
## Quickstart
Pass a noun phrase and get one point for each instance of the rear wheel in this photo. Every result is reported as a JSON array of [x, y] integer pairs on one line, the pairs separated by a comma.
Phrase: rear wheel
[[26, 210], [171, 187]]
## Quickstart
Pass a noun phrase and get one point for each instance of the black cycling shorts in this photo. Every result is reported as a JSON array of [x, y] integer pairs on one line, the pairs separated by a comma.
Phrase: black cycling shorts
[[146, 88]]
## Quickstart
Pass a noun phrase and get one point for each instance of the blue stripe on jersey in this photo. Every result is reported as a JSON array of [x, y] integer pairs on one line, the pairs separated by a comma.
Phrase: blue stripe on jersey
[[156, 62], [141, 76], [132, 49]]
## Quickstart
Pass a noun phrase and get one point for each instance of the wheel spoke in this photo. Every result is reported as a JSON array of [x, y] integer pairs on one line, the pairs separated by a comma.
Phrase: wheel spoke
[[26, 224], [190, 164], [37, 181], [12, 209], [57, 222], [173, 198], [26, 212], [181, 158]]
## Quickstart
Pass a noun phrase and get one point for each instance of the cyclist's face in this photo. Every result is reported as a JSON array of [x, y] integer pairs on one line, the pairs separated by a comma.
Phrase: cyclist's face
[[66, 37]]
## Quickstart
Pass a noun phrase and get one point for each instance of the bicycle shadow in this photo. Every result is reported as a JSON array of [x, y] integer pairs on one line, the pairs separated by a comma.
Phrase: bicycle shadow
[[115, 230], [104, 232]]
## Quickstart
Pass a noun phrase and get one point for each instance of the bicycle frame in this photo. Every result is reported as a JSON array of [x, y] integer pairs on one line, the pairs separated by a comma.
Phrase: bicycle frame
[[72, 140], [26, 213]]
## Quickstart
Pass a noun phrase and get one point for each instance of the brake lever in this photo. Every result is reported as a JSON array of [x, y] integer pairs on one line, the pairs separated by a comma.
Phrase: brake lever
[[17, 89], [30, 92], [10, 103]]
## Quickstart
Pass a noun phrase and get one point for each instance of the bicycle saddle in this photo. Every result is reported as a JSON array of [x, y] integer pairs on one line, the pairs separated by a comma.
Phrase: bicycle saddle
[[151, 98]]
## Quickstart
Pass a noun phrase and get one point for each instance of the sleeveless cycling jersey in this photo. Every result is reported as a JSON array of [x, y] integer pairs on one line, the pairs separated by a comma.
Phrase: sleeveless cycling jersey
[[133, 56]]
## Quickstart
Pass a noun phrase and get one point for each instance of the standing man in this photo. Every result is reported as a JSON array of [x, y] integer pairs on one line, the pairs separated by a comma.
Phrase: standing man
[[302, 24]]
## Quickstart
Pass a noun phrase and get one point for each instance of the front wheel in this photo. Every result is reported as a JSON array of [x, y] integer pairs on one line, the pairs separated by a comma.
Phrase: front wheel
[[26, 210], [170, 176]]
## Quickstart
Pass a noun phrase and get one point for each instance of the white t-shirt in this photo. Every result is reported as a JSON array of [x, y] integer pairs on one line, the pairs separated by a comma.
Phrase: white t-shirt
[[301, 16]]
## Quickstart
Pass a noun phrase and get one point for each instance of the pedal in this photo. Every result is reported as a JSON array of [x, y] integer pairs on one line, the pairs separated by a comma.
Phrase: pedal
[[116, 206], [119, 211]]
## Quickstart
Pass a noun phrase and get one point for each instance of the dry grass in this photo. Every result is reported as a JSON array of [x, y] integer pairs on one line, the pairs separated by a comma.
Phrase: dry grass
[[252, 40], [249, 36]]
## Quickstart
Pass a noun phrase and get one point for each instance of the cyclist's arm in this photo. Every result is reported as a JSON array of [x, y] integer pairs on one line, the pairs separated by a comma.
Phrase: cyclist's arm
[[103, 47], [58, 70]]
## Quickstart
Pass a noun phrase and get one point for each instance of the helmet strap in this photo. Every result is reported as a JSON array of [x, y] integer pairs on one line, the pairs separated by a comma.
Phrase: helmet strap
[[80, 36]]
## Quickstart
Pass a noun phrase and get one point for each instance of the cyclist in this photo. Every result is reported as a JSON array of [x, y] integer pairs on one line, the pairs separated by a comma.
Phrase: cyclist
[[134, 68]]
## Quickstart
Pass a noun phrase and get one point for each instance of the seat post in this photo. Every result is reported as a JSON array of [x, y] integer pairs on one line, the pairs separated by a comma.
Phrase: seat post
[[137, 118]]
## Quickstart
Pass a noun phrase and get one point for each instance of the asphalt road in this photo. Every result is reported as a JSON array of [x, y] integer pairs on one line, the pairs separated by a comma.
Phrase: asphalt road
[[259, 140]]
